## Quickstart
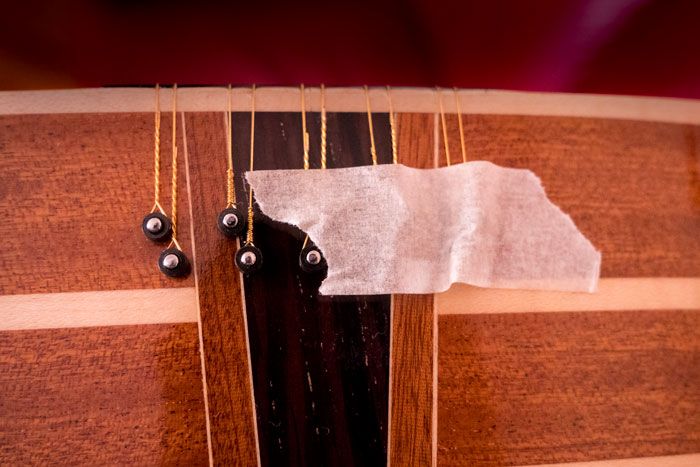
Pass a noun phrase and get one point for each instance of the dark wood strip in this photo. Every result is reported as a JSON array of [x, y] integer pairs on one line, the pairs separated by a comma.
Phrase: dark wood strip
[[320, 364], [74, 190], [633, 188], [561, 387], [128, 395], [412, 325], [220, 301]]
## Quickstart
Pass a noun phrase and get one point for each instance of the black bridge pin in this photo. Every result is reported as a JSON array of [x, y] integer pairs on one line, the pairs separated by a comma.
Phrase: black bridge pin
[[311, 259], [249, 258], [173, 263], [157, 227], [231, 222]]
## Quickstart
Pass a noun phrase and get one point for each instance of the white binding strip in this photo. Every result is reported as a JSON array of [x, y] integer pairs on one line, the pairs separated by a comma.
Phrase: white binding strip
[[99, 308], [682, 460], [614, 294], [179, 305], [420, 100]]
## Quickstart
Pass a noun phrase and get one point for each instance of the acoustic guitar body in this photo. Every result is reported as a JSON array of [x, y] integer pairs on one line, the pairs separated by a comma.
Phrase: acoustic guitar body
[[106, 361]]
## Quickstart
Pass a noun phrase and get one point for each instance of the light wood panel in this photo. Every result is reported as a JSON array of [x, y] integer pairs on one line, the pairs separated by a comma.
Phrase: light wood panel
[[102, 396], [614, 294], [98, 308], [352, 99], [74, 191]]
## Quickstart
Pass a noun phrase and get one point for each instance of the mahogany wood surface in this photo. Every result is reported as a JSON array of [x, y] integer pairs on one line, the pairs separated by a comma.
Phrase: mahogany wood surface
[[537, 388], [412, 386], [113, 395], [320, 364], [221, 307], [633, 188], [73, 191]]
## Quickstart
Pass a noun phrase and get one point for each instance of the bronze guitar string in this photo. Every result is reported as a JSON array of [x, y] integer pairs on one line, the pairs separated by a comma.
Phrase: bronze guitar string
[[249, 258], [231, 220], [310, 257], [444, 126], [172, 261]]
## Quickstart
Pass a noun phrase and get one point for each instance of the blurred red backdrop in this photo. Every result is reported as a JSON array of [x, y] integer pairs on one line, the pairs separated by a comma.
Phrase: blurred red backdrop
[[643, 47]]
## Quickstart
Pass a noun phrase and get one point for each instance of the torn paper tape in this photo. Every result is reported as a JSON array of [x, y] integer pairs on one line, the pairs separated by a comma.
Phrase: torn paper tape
[[393, 229]]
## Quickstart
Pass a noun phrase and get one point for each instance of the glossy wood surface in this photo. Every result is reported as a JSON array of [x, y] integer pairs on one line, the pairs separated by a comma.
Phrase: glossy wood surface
[[73, 191], [538, 388], [112, 395]]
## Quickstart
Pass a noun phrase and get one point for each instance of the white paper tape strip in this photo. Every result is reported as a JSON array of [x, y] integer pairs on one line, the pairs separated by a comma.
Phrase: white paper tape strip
[[393, 229]]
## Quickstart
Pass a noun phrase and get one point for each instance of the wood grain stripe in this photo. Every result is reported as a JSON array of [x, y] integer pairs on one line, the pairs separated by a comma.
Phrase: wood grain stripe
[[98, 308], [639, 293], [74, 191], [222, 313], [414, 100], [102, 396], [539, 388]]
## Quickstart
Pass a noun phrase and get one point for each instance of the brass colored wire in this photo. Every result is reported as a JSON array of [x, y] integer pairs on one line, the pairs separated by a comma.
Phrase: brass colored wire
[[249, 235], [461, 126], [324, 131], [304, 133], [230, 186], [156, 154], [173, 213], [324, 128], [373, 148], [444, 127], [392, 124]]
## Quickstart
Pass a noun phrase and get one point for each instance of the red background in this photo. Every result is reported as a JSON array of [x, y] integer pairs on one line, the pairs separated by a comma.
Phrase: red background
[[643, 47]]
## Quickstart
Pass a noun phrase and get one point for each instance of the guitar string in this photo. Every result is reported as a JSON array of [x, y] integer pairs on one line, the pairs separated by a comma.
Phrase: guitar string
[[249, 234], [305, 141], [323, 127], [156, 154], [230, 186], [392, 125], [461, 126], [324, 136], [304, 133], [444, 127], [174, 167], [373, 148]]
